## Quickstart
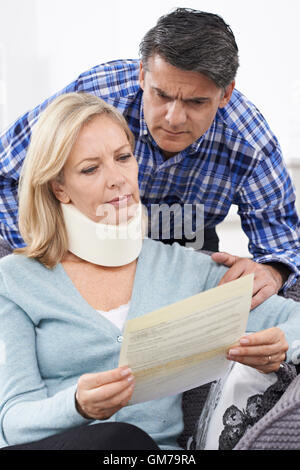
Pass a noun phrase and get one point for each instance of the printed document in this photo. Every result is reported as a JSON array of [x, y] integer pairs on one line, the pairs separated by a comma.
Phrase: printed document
[[183, 345]]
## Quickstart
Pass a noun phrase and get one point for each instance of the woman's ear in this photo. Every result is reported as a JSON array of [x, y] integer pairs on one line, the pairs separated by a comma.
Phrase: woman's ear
[[59, 192]]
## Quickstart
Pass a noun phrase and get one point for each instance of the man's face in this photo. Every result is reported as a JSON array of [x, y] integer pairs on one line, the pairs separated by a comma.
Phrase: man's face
[[179, 105]]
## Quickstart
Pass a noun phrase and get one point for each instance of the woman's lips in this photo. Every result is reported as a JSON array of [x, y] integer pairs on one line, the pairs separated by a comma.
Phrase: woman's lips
[[121, 201]]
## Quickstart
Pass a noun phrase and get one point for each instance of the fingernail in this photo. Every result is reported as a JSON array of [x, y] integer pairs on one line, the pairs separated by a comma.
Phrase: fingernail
[[130, 379], [126, 372], [244, 341], [233, 352]]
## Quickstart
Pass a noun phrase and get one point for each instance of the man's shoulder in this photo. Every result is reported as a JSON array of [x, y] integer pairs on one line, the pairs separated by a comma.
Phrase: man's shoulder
[[114, 78], [242, 121]]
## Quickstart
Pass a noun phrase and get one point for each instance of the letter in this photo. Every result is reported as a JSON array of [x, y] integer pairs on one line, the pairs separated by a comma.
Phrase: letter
[[151, 459], [161, 459], [167, 213], [199, 222], [205, 325]]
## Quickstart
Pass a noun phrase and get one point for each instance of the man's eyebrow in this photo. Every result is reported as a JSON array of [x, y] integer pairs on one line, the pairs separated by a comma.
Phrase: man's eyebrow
[[201, 99], [161, 92]]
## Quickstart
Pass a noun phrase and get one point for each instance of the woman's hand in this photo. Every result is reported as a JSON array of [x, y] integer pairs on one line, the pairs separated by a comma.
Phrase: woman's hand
[[264, 350], [102, 394]]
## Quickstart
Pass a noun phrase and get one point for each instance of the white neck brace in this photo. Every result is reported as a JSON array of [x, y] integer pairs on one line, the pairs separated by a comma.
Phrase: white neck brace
[[105, 245]]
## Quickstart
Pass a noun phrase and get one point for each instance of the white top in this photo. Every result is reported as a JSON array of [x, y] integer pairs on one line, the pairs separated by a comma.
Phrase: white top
[[117, 315]]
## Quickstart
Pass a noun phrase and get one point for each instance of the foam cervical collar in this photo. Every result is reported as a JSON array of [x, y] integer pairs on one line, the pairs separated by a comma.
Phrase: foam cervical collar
[[103, 244]]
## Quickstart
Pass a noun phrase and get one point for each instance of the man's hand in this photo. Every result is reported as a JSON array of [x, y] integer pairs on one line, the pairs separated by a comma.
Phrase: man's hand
[[268, 279]]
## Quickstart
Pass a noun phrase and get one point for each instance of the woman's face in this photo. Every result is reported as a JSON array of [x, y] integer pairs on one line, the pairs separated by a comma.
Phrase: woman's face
[[101, 174]]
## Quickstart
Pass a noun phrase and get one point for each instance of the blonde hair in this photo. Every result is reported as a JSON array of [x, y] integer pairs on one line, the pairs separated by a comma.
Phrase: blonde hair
[[41, 221]]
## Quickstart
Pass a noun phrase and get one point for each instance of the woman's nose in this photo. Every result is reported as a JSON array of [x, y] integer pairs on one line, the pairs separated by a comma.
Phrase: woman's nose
[[176, 115], [114, 177]]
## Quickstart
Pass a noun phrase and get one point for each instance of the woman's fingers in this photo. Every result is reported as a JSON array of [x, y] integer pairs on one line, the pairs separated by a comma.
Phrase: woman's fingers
[[101, 394], [258, 351], [256, 361], [264, 350], [104, 410], [91, 381], [263, 364], [110, 395], [265, 342]]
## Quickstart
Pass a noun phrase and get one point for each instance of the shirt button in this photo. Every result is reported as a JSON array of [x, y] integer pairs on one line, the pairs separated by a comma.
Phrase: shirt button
[[120, 339]]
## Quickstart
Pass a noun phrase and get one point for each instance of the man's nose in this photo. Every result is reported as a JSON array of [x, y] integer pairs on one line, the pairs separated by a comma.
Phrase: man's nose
[[176, 115]]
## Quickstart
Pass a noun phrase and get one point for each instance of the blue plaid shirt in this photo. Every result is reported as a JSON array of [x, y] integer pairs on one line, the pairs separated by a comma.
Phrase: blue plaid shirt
[[237, 161]]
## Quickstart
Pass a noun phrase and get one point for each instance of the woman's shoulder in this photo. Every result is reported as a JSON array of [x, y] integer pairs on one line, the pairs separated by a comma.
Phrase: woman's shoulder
[[179, 264], [19, 268], [176, 258], [175, 252], [18, 260]]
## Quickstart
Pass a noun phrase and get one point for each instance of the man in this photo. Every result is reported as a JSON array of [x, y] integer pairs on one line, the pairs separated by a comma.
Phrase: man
[[199, 143]]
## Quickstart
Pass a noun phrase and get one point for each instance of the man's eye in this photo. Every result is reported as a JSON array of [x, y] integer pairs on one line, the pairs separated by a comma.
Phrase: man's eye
[[162, 96], [89, 171], [196, 102]]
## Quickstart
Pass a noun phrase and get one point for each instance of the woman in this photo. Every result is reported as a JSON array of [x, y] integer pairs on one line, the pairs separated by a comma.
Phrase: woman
[[63, 306]]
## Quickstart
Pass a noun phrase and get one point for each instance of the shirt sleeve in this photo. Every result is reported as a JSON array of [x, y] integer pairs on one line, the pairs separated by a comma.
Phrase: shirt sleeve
[[266, 205], [27, 412]]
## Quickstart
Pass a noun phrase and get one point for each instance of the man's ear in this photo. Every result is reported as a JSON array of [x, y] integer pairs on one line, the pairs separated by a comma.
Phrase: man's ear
[[59, 192], [142, 76], [227, 95]]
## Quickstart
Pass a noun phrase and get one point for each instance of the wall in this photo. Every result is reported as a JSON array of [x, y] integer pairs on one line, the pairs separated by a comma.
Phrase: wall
[[49, 42], [19, 66]]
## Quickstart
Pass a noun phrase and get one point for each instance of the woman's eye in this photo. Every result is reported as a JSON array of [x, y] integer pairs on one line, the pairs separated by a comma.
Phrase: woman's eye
[[88, 171], [123, 158]]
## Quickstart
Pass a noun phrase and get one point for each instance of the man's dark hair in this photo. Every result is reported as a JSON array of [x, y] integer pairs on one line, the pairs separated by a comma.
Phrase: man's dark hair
[[196, 41]]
